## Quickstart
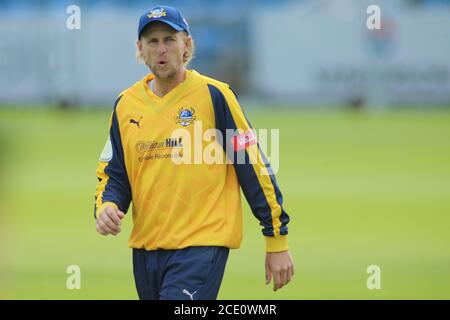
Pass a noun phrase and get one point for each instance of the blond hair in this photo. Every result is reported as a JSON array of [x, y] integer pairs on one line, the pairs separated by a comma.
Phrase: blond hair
[[187, 56]]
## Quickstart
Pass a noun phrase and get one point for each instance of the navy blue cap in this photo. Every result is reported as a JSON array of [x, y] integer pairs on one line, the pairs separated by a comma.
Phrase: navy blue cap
[[165, 14]]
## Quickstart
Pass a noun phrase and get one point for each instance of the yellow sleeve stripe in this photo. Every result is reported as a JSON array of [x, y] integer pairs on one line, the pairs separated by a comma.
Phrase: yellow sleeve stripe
[[266, 185], [257, 162], [101, 185]]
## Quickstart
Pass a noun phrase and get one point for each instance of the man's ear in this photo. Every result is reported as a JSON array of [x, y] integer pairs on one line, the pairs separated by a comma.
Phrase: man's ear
[[187, 44], [139, 45], [188, 41]]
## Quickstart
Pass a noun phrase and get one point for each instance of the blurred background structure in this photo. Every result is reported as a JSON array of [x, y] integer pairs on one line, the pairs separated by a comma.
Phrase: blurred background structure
[[295, 51], [363, 117]]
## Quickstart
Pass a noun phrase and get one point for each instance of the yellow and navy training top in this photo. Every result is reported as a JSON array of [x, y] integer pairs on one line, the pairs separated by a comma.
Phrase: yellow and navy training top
[[164, 155]]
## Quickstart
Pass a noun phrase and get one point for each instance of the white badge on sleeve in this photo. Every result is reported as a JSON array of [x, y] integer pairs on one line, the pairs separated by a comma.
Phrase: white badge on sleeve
[[107, 152]]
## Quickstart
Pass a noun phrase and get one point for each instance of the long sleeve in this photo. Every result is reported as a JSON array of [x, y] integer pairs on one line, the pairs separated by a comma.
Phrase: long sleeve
[[254, 173], [113, 186]]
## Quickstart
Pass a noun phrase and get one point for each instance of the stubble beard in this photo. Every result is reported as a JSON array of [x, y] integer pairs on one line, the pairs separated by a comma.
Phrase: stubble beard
[[164, 76], [161, 75]]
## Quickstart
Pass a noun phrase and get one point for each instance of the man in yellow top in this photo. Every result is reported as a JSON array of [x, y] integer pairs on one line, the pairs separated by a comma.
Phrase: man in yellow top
[[186, 208]]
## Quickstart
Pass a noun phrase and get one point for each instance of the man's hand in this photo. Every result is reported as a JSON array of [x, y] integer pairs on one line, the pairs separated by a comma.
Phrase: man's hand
[[280, 265], [108, 221]]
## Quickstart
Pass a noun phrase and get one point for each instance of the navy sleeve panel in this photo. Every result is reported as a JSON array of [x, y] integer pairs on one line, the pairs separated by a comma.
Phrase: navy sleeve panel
[[117, 189], [245, 171]]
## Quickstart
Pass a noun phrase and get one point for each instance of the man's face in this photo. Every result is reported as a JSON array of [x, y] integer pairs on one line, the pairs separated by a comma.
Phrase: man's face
[[162, 48]]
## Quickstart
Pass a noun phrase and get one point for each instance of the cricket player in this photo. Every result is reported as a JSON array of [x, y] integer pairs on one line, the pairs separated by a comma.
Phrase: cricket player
[[186, 211]]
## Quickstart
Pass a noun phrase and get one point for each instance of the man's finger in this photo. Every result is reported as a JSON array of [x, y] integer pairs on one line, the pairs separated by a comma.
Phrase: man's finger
[[113, 214], [110, 224], [99, 230], [276, 280], [282, 278], [104, 227], [288, 274], [105, 217]]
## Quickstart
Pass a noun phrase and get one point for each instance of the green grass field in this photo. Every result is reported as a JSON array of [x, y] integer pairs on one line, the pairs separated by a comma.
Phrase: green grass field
[[361, 189]]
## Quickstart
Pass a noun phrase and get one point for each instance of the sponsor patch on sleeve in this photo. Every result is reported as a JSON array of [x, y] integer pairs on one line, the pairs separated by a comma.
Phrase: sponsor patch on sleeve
[[244, 140]]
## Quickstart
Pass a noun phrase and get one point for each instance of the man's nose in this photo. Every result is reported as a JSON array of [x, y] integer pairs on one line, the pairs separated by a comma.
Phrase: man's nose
[[162, 48]]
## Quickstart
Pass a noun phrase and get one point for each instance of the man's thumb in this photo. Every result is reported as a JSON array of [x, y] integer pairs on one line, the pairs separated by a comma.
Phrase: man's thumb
[[120, 214]]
